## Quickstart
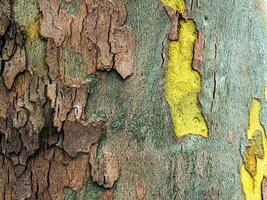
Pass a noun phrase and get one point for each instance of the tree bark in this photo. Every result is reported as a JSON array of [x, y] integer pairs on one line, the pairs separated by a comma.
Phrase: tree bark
[[124, 99]]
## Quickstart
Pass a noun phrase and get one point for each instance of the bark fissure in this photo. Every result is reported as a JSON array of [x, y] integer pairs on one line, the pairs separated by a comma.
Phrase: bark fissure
[[213, 92]]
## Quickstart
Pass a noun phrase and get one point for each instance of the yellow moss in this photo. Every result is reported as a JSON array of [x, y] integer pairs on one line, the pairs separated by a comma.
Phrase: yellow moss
[[178, 5], [183, 84], [33, 29], [265, 92], [251, 182]]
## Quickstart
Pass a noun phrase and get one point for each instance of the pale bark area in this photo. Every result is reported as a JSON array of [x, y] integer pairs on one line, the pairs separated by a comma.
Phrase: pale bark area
[[69, 129]]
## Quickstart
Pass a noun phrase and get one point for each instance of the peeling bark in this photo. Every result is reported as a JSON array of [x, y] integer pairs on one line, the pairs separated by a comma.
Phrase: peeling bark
[[198, 52], [51, 169], [105, 171], [79, 138], [264, 188], [174, 17], [97, 33], [46, 142], [12, 49]]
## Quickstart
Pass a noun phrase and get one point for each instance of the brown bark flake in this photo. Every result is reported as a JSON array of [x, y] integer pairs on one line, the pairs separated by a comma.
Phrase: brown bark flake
[[264, 188], [46, 144], [97, 33], [105, 170], [79, 138], [107, 195], [174, 17], [198, 52], [140, 190]]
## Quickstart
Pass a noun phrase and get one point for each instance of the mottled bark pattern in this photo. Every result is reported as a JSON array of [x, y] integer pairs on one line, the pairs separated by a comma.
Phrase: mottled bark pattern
[[97, 32], [13, 60], [46, 142]]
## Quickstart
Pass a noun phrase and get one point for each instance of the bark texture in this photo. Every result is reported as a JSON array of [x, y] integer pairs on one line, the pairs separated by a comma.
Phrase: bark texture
[[47, 144], [72, 126]]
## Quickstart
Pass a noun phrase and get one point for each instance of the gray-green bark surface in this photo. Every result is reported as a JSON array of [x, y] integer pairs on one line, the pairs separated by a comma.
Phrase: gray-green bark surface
[[140, 130]]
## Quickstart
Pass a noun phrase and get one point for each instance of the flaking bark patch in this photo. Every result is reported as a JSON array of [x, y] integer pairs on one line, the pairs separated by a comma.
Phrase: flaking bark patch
[[264, 188], [105, 170], [11, 47], [46, 144], [174, 17], [107, 195], [51, 169], [198, 52], [79, 138], [97, 33]]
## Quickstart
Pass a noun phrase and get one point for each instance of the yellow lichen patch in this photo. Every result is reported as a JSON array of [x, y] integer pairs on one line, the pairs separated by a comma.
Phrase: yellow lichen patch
[[265, 92], [178, 5], [254, 169], [254, 151], [183, 84], [33, 29]]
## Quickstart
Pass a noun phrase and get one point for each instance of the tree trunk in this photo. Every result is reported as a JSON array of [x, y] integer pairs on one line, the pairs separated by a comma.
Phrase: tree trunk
[[126, 99]]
